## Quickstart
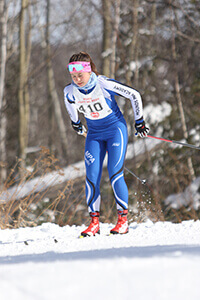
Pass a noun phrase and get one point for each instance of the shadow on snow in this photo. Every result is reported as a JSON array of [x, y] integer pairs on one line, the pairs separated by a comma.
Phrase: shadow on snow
[[114, 253]]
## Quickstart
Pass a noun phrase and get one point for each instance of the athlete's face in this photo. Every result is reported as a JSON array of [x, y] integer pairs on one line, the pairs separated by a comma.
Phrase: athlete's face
[[81, 78]]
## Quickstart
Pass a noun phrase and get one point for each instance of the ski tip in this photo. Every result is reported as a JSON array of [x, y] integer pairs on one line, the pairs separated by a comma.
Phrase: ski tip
[[111, 234], [83, 235]]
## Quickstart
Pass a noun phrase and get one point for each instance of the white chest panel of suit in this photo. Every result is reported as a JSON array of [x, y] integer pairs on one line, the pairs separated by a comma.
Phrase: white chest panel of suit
[[92, 105]]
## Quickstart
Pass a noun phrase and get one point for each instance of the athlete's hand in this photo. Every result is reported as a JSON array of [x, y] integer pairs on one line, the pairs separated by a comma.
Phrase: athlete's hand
[[141, 128], [79, 128]]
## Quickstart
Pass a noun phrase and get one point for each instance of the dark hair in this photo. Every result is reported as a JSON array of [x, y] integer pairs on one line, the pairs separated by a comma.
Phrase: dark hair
[[83, 56]]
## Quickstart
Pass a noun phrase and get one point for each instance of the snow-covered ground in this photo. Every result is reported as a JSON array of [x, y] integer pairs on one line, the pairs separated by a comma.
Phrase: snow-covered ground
[[153, 261]]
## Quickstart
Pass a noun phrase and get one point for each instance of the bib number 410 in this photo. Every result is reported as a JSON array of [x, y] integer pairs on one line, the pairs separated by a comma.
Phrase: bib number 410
[[91, 108]]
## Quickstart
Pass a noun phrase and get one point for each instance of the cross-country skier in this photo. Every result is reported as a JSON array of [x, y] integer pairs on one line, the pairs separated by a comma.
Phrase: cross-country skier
[[94, 96]]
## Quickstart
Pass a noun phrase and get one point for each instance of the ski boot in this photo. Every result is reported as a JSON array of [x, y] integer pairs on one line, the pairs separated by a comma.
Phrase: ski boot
[[93, 228], [122, 223]]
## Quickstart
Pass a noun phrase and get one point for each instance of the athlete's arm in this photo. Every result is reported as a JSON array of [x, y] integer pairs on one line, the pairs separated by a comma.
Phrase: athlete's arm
[[118, 88], [70, 104]]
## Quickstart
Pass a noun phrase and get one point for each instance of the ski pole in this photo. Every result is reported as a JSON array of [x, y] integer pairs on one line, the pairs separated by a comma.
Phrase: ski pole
[[143, 181], [174, 142]]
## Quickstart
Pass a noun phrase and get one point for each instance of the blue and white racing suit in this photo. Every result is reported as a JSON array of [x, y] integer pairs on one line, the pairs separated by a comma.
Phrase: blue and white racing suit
[[107, 132]]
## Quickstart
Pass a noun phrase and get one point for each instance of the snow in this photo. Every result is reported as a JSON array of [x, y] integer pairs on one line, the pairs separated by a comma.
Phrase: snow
[[153, 261], [191, 195], [41, 183], [160, 112]]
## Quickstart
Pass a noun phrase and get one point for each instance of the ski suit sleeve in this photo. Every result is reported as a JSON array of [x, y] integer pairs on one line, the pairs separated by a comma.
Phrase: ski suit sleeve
[[118, 88], [70, 104]]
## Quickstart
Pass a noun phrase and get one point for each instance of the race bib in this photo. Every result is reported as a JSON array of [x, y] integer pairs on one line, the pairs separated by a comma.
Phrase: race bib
[[92, 105]]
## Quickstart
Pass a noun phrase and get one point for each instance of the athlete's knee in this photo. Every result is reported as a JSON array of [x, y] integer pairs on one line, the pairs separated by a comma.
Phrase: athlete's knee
[[114, 174], [92, 189]]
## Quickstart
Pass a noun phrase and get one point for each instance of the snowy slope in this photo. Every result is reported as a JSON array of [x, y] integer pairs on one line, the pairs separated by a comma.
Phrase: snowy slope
[[153, 261]]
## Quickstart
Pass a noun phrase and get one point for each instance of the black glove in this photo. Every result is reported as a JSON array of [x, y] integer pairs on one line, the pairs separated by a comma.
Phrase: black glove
[[78, 127], [141, 128]]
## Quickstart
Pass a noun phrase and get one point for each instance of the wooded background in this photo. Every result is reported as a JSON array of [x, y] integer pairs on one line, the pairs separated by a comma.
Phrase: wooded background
[[153, 46]]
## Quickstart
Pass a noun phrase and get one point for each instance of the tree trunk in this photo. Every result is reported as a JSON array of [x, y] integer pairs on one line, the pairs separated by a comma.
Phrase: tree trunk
[[52, 94], [178, 96], [107, 31], [133, 56], [3, 28], [133, 50], [23, 95], [114, 37], [49, 94]]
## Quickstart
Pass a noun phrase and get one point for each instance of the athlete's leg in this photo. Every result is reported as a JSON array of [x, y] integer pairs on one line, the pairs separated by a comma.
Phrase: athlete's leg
[[116, 147], [94, 155]]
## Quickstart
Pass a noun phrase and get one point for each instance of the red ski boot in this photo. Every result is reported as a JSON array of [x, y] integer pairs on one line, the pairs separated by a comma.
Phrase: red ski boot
[[93, 228], [122, 223]]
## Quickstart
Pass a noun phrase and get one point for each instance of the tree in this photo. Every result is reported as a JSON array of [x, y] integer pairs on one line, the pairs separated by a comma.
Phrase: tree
[[107, 31], [3, 34], [23, 95], [52, 94], [115, 37], [178, 95]]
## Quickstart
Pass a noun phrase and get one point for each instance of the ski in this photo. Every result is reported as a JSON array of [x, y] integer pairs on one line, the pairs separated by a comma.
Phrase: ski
[[28, 241], [107, 234]]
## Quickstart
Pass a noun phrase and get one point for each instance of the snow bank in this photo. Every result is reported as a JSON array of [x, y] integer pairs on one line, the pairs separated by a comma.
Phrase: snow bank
[[191, 195]]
